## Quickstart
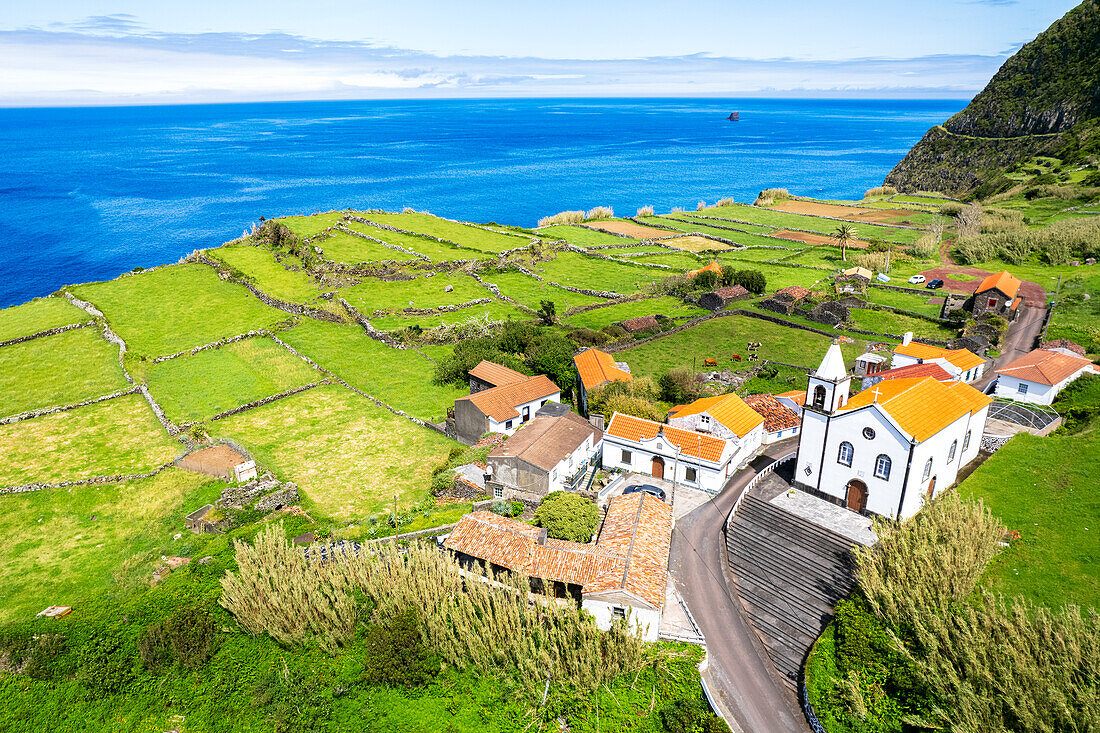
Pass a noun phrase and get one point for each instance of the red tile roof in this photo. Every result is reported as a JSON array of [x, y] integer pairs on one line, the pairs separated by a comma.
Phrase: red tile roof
[[797, 292], [728, 409], [777, 416], [1064, 344], [596, 367], [1002, 281], [1045, 367], [496, 374], [915, 370], [639, 323], [500, 403], [636, 429], [731, 291]]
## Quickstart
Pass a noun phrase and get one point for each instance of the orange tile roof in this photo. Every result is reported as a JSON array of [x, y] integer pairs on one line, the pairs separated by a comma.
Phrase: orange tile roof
[[1045, 367], [728, 409], [797, 292], [496, 374], [500, 403], [921, 406], [630, 554], [777, 416], [915, 370], [691, 443], [596, 367], [712, 267], [1003, 281], [795, 395], [962, 358]]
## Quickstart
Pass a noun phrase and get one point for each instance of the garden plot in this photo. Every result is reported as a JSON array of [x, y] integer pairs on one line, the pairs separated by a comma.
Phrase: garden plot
[[597, 318], [349, 457], [400, 378], [57, 370], [530, 292], [344, 247], [436, 251], [198, 386], [284, 280], [695, 244], [582, 236], [37, 316], [630, 229], [70, 545], [175, 308], [119, 436], [308, 226], [372, 294], [591, 273], [452, 231]]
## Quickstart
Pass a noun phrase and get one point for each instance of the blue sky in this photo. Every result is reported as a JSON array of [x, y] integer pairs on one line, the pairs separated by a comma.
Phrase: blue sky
[[128, 51]]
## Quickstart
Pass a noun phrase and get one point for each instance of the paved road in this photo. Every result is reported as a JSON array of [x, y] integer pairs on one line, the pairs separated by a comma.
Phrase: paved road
[[739, 674], [1021, 338]]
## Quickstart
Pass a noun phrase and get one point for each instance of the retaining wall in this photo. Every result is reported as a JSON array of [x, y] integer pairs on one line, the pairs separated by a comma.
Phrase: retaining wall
[[47, 332]]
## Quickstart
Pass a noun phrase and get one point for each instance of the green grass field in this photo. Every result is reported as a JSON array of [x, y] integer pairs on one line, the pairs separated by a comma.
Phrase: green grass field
[[436, 251], [119, 436], [530, 292], [597, 318], [680, 262], [63, 546], [269, 276], [38, 315], [307, 226], [469, 236], [199, 386], [62, 369], [176, 308], [1045, 489], [779, 276], [888, 322], [344, 247], [421, 292], [764, 254], [582, 236], [897, 299], [759, 215], [348, 456], [592, 273], [495, 311], [691, 218], [1076, 318], [402, 379]]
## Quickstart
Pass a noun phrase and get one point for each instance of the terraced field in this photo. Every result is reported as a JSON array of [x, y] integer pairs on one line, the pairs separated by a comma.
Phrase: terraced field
[[285, 280], [469, 236], [37, 316], [435, 250]]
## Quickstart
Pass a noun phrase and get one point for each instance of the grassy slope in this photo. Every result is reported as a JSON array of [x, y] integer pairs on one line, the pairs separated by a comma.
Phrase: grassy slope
[[38, 315], [270, 276], [592, 273], [759, 215], [582, 236], [470, 236], [530, 292], [421, 292], [62, 546], [437, 251], [199, 386], [887, 322], [599, 317], [175, 308], [347, 455], [58, 370], [307, 226], [495, 311], [119, 436], [344, 247]]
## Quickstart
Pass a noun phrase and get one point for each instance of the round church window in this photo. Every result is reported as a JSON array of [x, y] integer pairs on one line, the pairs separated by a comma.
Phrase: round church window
[[869, 433]]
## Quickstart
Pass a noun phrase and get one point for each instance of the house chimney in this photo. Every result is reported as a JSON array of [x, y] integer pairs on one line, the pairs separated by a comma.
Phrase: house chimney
[[906, 338], [542, 536]]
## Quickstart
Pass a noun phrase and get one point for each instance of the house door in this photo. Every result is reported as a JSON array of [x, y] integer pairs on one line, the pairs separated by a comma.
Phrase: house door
[[658, 467], [931, 487], [857, 495]]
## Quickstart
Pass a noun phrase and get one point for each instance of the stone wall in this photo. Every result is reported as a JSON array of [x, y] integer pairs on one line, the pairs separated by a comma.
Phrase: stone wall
[[41, 412], [47, 332], [115, 479], [212, 345], [293, 308]]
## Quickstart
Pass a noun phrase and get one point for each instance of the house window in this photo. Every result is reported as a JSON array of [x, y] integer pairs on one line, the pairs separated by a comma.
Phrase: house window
[[882, 467], [927, 470], [508, 425], [690, 475], [498, 492], [1021, 388], [618, 612], [869, 433], [951, 451], [844, 455], [626, 457], [704, 422], [966, 441], [992, 303], [819, 397]]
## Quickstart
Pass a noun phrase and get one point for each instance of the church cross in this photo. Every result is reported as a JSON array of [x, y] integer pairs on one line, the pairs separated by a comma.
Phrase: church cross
[[876, 393]]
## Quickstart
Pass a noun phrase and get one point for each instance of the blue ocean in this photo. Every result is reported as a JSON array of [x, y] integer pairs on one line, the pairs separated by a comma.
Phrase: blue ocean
[[89, 193]]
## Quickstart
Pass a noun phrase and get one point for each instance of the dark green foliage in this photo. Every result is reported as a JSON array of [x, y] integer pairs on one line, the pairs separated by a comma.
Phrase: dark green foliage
[[467, 354], [751, 280], [395, 655], [188, 637], [706, 280], [567, 516], [1079, 403], [728, 273], [677, 385], [106, 664], [958, 314], [546, 312], [691, 715], [585, 337], [507, 508], [552, 355]]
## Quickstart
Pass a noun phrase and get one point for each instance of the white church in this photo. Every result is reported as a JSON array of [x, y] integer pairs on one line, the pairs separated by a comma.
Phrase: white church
[[888, 449]]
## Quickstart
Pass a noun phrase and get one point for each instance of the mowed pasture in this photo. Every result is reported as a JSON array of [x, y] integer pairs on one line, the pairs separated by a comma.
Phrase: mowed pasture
[[38, 315], [453, 231], [890, 322], [62, 369], [720, 338], [348, 456], [66, 546], [591, 273], [401, 379], [695, 244], [373, 294], [284, 280], [494, 311], [528, 291], [198, 386], [582, 236], [118, 436], [308, 226], [434, 250], [175, 308], [781, 219], [340, 246], [597, 318]]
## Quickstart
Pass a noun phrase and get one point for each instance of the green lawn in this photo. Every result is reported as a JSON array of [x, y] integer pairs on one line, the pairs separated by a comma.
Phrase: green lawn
[[348, 456], [470, 236], [897, 299], [718, 338], [822, 256], [680, 262], [580, 271], [176, 308], [199, 386], [437, 251], [759, 215], [372, 294], [402, 379], [495, 311], [530, 292], [307, 226], [344, 247], [63, 546], [597, 318], [1076, 318], [1045, 489], [764, 254], [779, 276], [62, 369], [272, 277], [582, 236], [38, 315], [119, 436], [889, 322]]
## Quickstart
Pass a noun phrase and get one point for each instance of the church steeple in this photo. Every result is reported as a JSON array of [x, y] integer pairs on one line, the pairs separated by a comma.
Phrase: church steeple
[[830, 384]]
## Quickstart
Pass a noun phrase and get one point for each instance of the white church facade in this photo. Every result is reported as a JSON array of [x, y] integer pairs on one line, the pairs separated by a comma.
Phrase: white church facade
[[888, 449]]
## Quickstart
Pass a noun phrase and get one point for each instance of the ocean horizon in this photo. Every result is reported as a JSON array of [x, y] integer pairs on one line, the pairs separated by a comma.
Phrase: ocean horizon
[[92, 192]]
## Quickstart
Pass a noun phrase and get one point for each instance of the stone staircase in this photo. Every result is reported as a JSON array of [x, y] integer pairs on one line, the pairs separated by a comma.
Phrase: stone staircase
[[789, 573]]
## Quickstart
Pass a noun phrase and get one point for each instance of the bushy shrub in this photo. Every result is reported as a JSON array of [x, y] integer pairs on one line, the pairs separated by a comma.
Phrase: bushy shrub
[[925, 248], [951, 208], [706, 280], [394, 653], [188, 637], [564, 217], [880, 191], [691, 715], [105, 664], [585, 337], [599, 212], [567, 516], [644, 211], [677, 385], [629, 404], [613, 331], [507, 508], [546, 312], [752, 280], [769, 196], [873, 261], [727, 201], [968, 221], [700, 205]]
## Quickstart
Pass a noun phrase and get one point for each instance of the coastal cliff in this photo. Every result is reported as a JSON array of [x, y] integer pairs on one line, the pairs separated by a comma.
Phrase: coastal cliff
[[1044, 100]]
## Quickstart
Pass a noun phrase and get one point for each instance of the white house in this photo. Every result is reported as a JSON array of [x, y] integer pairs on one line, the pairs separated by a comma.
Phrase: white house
[[962, 364], [623, 575], [727, 417], [688, 457], [1039, 376], [887, 449], [543, 456], [501, 405]]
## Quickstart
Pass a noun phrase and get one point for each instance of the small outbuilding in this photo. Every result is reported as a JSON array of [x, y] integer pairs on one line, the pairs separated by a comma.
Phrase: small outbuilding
[[722, 297], [785, 301], [998, 294]]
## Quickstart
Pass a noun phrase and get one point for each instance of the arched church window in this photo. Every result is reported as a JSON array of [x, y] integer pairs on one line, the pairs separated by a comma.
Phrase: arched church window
[[845, 453]]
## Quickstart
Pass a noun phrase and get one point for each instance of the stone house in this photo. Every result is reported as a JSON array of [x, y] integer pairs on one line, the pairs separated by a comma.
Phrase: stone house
[[999, 295], [722, 297], [787, 300], [502, 408], [545, 455]]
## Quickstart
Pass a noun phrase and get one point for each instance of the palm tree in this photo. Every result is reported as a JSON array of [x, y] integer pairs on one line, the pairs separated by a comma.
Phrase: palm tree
[[844, 234]]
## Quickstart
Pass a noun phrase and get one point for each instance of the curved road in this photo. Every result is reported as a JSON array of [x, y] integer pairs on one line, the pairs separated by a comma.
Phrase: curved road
[[739, 674], [1021, 338]]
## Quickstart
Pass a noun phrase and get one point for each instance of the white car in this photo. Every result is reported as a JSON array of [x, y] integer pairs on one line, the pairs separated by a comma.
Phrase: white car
[[916, 279]]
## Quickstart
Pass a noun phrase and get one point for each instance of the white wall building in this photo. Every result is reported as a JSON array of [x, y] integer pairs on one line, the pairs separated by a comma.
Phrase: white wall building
[[962, 364], [890, 448], [1039, 376]]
